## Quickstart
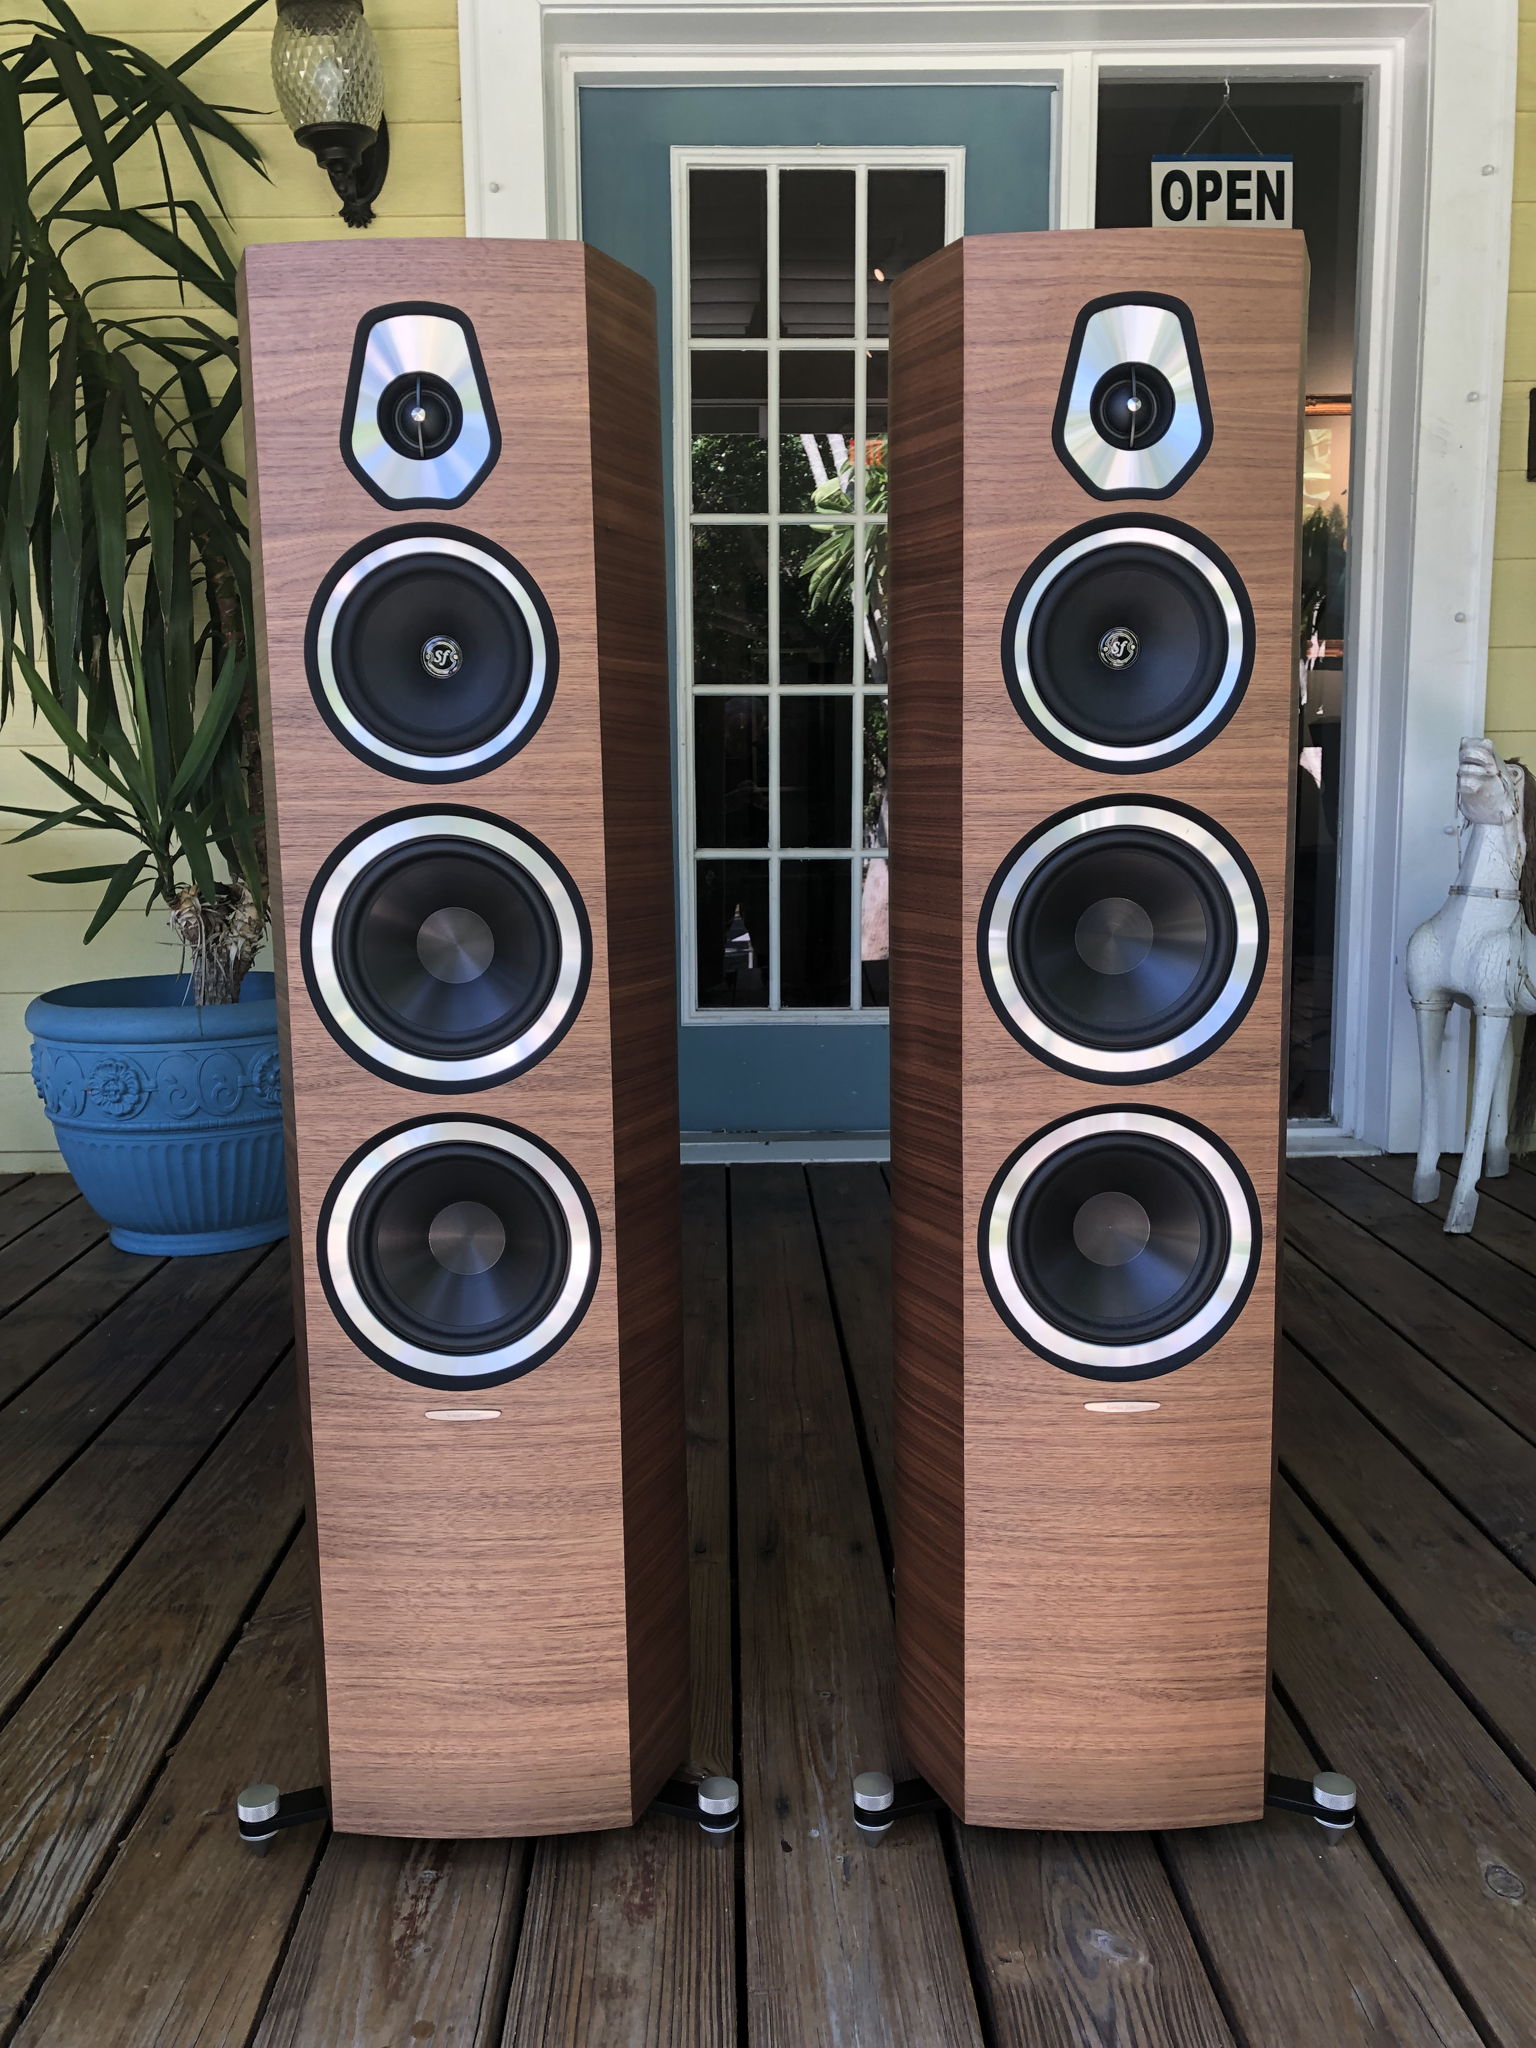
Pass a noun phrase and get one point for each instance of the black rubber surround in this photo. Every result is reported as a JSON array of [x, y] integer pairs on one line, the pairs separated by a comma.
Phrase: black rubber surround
[[435, 398], [1193, 940], [1181, 634], [1189, 1246], [380, 967], [1132, 406], [413, 1294], [372, 319], [376, 653], [1186, 321]]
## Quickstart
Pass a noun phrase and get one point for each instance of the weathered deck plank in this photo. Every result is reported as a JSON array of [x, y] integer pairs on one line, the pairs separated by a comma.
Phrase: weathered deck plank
[[184, 1931], [848, 1945], [1451, 1816], [60, 1311], [91, 1735], [1486, 1467], [629, 1937], [79, 1393], [57, 1557], [28, 1198]]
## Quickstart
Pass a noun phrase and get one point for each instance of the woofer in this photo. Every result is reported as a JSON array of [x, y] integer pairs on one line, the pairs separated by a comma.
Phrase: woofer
[[1120, 1244], [1128, 643], [432, 655], [458, 1251], [444, 949], [1124, 941]]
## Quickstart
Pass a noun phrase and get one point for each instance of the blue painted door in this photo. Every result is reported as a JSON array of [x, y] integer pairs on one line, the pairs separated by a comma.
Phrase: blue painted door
[[790, 209]]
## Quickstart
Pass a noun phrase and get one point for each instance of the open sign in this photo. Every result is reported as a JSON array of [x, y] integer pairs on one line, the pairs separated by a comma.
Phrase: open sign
[[1221, 191]]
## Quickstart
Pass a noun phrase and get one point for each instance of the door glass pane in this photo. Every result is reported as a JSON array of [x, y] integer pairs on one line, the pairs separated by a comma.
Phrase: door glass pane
[[730, 770], [815, 771], [816, 599], [728, 252], [816, 254], [875, 935], [733, 934], [906, 223], [730, 431], [730, 604], [1319, 125], [814, 907], [816, 428], [786, 576]]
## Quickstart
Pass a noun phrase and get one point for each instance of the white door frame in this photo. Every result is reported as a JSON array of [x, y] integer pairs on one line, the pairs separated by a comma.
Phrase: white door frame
[[1440, 78]]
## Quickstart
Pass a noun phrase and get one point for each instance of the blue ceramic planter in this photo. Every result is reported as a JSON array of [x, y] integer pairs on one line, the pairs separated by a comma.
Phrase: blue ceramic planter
[[169, 1116]]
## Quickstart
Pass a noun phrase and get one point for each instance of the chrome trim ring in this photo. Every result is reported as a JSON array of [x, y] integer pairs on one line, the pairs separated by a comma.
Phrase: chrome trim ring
[[398, 345], [1134, 331], [1169, 1055], [446, 1368], [350, 865], [1218, 707], [439, 767], [1176, 1347]]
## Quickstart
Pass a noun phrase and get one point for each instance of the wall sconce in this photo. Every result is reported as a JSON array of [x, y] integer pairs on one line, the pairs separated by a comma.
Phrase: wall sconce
[[330, 86]]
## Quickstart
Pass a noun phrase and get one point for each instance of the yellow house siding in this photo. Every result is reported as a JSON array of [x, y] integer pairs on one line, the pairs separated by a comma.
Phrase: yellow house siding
[[1511, 716], [41, 926]]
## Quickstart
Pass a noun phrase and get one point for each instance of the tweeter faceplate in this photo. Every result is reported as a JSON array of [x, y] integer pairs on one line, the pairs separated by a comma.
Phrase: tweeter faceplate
[[418, 426], [444, 949], [1133, 419], [458, 1251], [1120, 1244], [1123, 941]]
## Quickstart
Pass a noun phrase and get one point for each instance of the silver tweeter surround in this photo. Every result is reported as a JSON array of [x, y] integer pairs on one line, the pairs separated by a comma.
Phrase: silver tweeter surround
[[465, 1243], [437, 345], [1133, 332]]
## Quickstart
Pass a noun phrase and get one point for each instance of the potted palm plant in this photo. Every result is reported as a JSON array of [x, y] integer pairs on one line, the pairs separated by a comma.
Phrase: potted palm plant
[[125, 626]]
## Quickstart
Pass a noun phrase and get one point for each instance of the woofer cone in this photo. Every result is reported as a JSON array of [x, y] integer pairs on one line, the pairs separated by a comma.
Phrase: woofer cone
[[432, 655], [444, 949], [1120, 1244], [1121, 942], [1128, 643], [458, 1251]]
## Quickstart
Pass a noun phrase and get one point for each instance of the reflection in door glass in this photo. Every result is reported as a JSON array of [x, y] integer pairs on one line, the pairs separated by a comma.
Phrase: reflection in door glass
[[1318, 125], [785, 598]]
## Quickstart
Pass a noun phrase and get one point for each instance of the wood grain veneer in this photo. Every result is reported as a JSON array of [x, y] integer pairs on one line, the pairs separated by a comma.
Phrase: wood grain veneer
[[1082, 1598], [503, 1603]]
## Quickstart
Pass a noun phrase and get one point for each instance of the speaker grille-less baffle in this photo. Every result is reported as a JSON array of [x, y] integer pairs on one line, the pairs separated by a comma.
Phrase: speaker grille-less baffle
[[431, 654], [1133, 419], [444, 949], [1128, 643], [1120, 1244], [418, 427], [458, 1251], [1123, 941]]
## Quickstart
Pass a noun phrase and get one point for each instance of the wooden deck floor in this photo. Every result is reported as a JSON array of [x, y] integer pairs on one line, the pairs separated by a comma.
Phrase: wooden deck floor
[[154, 1655]]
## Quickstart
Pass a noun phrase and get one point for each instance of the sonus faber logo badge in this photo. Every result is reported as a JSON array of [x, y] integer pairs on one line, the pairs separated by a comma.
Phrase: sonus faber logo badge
[[441, 656], [1119, 647]]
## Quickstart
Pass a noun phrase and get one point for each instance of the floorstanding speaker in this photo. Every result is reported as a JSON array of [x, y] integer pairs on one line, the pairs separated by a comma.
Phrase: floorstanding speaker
[[1094, 521], [455, 458]]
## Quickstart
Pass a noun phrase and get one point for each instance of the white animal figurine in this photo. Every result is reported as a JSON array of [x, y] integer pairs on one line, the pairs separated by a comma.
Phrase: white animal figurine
[[1479, 950]]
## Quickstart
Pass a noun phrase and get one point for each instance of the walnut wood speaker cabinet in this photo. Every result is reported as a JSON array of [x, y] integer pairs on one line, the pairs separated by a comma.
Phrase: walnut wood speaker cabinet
[[455, 457], [1094, 521]]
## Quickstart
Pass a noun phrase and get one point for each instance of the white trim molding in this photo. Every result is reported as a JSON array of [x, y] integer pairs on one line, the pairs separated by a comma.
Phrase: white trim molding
[[1439, 149]]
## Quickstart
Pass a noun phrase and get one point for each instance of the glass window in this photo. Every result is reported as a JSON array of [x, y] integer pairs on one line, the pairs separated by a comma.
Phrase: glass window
[[1319, 125], [785, 591]]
